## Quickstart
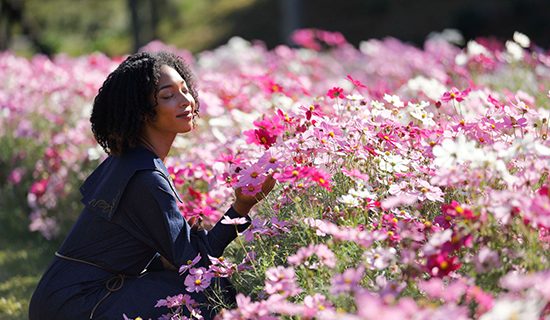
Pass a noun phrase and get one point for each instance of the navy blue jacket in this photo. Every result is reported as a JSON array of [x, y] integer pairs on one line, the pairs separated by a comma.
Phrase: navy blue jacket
[[130, 217]]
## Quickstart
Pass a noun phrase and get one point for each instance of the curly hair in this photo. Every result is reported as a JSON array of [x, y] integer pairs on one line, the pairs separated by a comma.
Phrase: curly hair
[[127, 99]]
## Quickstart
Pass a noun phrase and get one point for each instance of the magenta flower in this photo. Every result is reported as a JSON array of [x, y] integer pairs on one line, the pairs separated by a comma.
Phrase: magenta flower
[[260, 137], [335, 92], [455, 94], [441, 264], [355, 82]]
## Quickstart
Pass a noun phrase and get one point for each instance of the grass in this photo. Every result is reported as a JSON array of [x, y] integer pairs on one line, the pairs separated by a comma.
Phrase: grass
[[22, 262]]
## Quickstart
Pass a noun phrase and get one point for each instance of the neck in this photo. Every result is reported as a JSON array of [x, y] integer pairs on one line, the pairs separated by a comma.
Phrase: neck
[[159, 145]]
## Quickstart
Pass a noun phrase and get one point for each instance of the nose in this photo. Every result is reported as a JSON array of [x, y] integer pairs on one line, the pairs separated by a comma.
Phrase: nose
[[187, 99]]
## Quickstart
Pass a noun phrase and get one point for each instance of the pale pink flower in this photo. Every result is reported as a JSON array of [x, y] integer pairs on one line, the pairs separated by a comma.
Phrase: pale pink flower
[[197, 280], [189, 264], [348, 281], [282, 281]]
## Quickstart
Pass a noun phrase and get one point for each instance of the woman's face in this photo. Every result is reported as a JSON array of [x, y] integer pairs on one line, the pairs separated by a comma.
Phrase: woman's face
[[175, 104]]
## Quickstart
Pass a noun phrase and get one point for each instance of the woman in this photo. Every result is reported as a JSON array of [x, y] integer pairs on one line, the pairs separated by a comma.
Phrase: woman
[[122, 254]]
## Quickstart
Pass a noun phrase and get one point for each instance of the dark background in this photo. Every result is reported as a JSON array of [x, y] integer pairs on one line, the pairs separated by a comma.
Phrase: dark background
[[121, 26]]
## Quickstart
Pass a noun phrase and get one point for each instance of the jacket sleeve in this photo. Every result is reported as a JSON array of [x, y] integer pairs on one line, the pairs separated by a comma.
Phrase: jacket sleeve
[[151, 208], [221, 235], [152, 215]]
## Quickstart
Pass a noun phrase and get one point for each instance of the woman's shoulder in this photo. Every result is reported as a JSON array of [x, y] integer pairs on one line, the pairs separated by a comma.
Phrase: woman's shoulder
[[110, 180]]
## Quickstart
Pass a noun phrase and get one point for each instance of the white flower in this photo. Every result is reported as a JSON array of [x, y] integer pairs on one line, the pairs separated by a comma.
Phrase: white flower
[[475, 49], [379, 109], [380, 258], [363, 193], [506, 308], [514, 50], [394, 163], [451, 153], [395, 100], [522, 39], [349, 200], [432, 88], [417, 111]]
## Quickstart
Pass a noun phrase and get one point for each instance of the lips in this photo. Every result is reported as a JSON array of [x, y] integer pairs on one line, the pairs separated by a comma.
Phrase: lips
[[186, 114]]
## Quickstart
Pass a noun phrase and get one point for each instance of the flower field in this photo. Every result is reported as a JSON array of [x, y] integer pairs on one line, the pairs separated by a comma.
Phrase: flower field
[[412, 183]]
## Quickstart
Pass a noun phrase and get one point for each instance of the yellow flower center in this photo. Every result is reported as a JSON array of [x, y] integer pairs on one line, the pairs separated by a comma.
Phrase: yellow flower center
[[254, 174], [444, 265], [459, 209], [294, 173], [198, 282], [321, 180]]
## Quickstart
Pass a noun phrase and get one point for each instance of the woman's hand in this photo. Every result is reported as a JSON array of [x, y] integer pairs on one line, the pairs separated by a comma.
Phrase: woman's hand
[[243, 203]]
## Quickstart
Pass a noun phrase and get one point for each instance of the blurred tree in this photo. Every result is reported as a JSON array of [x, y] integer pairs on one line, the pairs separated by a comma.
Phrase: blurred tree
[[118, 27], [12, 12], [144, 16]]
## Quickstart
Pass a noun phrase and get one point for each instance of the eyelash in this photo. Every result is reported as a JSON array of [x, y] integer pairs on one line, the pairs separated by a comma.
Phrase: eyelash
[[171, 96]]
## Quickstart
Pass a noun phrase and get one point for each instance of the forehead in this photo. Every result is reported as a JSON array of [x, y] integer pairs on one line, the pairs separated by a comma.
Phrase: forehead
[[169, 75]]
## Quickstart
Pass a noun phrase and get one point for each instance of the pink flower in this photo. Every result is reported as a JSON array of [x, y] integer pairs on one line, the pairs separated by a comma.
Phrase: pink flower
[[314, 304], [271, 160], [282, 281], [197, 280], [320, 177], [486, 260], [429, 192], [455, 94], [221, 267], [436, 289], [253, 175], [335, 92], [190, 264], [39, 187], [354, 173], [175, 301], [348, 281], [16, 175], [325, 255], [356, 83]]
